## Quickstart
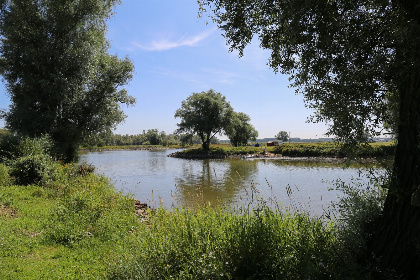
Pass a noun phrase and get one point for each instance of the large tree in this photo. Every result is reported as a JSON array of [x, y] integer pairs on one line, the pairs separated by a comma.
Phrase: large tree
[[205, 114], [282, 135], [58, 73], [348, 58], [239, 131]]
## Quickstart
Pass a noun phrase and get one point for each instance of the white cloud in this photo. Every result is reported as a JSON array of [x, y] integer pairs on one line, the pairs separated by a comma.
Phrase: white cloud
[[202, 77], [165, 44]]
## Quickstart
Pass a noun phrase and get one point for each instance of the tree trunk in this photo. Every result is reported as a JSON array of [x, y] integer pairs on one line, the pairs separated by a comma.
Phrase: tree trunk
[[397, 242], [205, 146]]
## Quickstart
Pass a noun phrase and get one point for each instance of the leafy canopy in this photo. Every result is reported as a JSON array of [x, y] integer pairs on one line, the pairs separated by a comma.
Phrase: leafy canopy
[[357, 64], [240, 130], [340, 54], [282, 135], [58, 73], [205, 114]]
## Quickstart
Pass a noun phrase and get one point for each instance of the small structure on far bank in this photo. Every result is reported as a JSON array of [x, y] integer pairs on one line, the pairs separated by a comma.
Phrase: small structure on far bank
[[274, 143]]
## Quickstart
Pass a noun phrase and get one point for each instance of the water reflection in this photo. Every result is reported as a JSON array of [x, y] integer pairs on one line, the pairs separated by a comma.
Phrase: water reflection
[[154, 178], [218, 182]]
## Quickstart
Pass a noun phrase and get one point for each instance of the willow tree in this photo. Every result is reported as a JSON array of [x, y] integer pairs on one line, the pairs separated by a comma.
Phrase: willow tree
[[60, 77], [240, 131], [357, 64], [204, 114]]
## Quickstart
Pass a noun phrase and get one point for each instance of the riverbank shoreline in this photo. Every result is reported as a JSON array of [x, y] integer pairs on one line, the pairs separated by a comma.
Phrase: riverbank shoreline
[[267, 156], [86, 150]]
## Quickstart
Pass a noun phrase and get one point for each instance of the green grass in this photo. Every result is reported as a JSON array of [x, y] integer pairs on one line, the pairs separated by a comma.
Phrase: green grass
[[321, 149], [330, 149], [73, 224], [79, 227], [210, 243], [72, 228]]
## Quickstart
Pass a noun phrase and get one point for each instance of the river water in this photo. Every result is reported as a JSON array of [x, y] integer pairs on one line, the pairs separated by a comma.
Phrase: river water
[[155, 178]]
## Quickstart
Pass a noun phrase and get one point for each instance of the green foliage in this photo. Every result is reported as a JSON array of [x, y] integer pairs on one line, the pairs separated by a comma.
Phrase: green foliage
[[34, 146], [228, 244], [151, 137], [60, 78], [282, 135], [8, 145], [331, 149], [75, 227], [204, 114], [240, 131], [359, 207], [34, 169], [4, 175], [356, 215], [357, 64], [96, 211], [341, 55], [33, 164], [310, 150], [324, 149], [220, 152]]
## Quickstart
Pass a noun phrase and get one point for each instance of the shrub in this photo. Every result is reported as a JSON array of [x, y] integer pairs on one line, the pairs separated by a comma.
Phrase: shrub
[[35, 169], [355, 215], [93, 210], [8, 144], [33, 164], [85, 168], [34, 146], [211, 243], [4, 175]]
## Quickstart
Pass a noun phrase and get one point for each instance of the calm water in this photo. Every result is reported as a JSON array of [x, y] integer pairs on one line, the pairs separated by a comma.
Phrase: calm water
[[154, 178]]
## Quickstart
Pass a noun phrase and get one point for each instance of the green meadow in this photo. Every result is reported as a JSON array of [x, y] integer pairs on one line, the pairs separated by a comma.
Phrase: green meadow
[[62, 221]]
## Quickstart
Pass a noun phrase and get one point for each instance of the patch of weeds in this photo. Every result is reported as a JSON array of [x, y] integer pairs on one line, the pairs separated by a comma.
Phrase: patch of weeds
[[33, 163], [5, 179], [210, 243], [93, 211], [355, 215]]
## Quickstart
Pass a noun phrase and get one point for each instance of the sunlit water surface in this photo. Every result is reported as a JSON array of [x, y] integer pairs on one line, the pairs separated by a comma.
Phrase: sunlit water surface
[[155, 178]]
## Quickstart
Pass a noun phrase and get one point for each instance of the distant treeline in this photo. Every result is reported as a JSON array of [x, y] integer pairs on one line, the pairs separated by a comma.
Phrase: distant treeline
[[149, 137]]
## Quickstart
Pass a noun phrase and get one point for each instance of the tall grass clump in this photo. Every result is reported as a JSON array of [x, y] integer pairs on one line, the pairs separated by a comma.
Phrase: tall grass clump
[[92, 209], [4, 175], [355, 216], [74, 226], [209, 243], [30, 161]]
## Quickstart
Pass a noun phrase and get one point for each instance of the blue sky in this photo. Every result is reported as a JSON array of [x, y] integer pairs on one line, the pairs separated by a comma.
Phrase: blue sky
[[175, 53]]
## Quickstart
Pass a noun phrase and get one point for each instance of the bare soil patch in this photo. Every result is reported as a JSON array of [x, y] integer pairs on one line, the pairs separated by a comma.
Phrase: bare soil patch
[[8, 212]]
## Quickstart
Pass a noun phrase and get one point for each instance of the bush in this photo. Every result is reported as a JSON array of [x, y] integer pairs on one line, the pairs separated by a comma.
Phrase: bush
[[233, 244], [35, 169], [332, 149], [355, 215], [8, 145], [93, 210], [33, 164], [4, 175]]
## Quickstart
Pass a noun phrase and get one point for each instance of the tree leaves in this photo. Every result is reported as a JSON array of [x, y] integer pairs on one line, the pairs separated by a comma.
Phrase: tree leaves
[[204, 114], [60, 77]]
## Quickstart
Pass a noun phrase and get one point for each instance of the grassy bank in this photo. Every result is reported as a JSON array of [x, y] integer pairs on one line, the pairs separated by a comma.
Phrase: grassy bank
[[64, 222], [321, 149], [330, 149], [73, 227]]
